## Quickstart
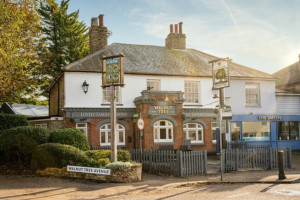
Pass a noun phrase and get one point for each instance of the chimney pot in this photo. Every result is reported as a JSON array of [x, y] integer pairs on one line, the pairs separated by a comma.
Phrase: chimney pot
[[171, 28], [180, 27], [176, 28], [94, 21], [101, 20]]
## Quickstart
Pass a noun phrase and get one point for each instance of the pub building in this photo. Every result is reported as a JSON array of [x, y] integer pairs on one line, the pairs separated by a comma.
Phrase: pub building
[[169, 87]]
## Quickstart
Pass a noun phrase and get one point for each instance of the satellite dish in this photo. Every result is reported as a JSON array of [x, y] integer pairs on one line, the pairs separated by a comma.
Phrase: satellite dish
[[109, 33]]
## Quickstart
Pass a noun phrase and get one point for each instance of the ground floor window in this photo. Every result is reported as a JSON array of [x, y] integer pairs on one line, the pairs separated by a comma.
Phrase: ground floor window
[[256, 131], [83, 127], [194, 132], [163, 131], [105, 135], [288, 130], [235, 131]]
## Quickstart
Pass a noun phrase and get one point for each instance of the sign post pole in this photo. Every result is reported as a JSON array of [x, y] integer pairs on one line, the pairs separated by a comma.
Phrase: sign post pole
[[221, 79], [113, 114], [141, 125], [113, 76]]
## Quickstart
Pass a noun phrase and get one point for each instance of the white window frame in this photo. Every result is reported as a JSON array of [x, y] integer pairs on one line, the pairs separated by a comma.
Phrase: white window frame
[[157, 128], [118, 95], [153, 82], [42, 125], [251, 92], [191, 100], [82, 128], [214, 127], [198, 127], [106, 129]]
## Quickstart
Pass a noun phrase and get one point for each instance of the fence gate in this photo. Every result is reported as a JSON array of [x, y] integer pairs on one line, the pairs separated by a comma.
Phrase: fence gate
[[178, 163]]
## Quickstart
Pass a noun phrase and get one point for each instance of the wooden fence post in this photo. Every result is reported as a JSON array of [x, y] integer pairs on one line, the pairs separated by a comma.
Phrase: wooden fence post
[[179, 163], [270, 158], [205, 162]]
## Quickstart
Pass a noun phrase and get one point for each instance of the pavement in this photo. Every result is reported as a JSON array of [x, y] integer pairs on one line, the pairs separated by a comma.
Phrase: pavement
[[213, 175]]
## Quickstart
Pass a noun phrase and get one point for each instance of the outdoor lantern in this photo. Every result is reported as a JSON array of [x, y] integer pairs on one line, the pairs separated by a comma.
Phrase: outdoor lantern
[[85, 87], [215, 93]]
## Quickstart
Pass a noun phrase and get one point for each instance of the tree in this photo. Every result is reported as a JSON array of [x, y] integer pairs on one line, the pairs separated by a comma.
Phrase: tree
[[19, 35], [220, 75], [66, 38]]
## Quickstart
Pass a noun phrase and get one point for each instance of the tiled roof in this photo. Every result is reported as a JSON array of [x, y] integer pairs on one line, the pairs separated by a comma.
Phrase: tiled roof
[[288, 75], [147, 59]]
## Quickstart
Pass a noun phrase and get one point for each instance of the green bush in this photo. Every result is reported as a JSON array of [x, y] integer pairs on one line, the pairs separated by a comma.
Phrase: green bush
[[8, 121], [122, 155], [119, 165], [59, 155], [103, 162], [70, 136], [19, 143]]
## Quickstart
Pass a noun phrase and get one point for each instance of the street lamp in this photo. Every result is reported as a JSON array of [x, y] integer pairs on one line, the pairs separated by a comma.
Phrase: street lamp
[[85, 87]]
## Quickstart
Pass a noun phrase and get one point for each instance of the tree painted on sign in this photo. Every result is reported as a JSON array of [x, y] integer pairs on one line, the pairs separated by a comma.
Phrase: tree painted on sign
[[221, 75]]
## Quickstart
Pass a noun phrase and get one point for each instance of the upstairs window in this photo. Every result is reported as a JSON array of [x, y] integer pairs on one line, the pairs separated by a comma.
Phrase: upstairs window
[[153, 84], [107, 94], [191, 92], [252, 94]]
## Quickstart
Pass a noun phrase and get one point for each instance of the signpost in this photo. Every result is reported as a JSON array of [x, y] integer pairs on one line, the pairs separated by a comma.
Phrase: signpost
[[221, 79], [141, 124], [112, 76]]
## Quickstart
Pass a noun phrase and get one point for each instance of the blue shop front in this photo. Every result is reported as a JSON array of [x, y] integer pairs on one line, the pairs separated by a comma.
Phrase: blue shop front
[[273, 130]]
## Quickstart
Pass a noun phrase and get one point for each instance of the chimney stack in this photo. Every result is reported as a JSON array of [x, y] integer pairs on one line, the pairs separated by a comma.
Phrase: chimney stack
[[98, 34], [176, 40], [101, 20], [171, 28]]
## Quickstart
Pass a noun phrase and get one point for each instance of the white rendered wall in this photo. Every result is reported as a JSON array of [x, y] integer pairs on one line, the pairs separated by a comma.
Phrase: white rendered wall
[[237, 94], [134, 84]]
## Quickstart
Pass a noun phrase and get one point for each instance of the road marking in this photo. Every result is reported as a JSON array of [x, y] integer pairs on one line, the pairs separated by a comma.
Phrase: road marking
[[287, 192], [238, 195]]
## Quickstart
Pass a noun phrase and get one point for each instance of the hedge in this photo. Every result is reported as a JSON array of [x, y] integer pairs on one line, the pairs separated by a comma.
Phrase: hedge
[[8, 121], [21, 141], [122, 155], [58, 156], [70, 136]]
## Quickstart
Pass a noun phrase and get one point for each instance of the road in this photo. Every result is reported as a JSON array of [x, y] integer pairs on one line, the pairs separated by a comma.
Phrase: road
[[152, 188]]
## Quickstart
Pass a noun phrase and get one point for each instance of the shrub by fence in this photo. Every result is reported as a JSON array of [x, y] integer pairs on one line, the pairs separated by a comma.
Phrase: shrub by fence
[[179, 163], [8, 121], [70, 136], [254, 158]]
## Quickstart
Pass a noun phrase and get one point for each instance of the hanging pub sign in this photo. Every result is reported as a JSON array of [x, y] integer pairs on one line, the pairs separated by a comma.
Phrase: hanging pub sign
[[220, 72], [112, 71]]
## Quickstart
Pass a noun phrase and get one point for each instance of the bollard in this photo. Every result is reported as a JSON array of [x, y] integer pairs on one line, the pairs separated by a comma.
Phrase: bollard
[[281, 174]]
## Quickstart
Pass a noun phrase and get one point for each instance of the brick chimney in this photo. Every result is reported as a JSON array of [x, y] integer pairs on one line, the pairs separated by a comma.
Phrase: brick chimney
[[98, 34], [176, 40]]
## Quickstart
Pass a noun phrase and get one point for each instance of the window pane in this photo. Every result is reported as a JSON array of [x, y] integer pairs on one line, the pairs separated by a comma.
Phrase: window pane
[[170, 133], [200, 135], [109, 137], [252, 94], [255, 131], [192, 134], [102, 137], [162, 123], [121, 137], [213, 134], [81, 125], [235, 131], [192, 125], [163, 133], [191, 90]]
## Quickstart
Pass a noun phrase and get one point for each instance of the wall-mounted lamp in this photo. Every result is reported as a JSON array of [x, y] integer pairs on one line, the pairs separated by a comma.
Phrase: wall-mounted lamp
[[215, 93], [85, 87]]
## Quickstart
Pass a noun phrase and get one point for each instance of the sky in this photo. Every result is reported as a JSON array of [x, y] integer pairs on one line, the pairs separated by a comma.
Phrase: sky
[[261, 34]]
